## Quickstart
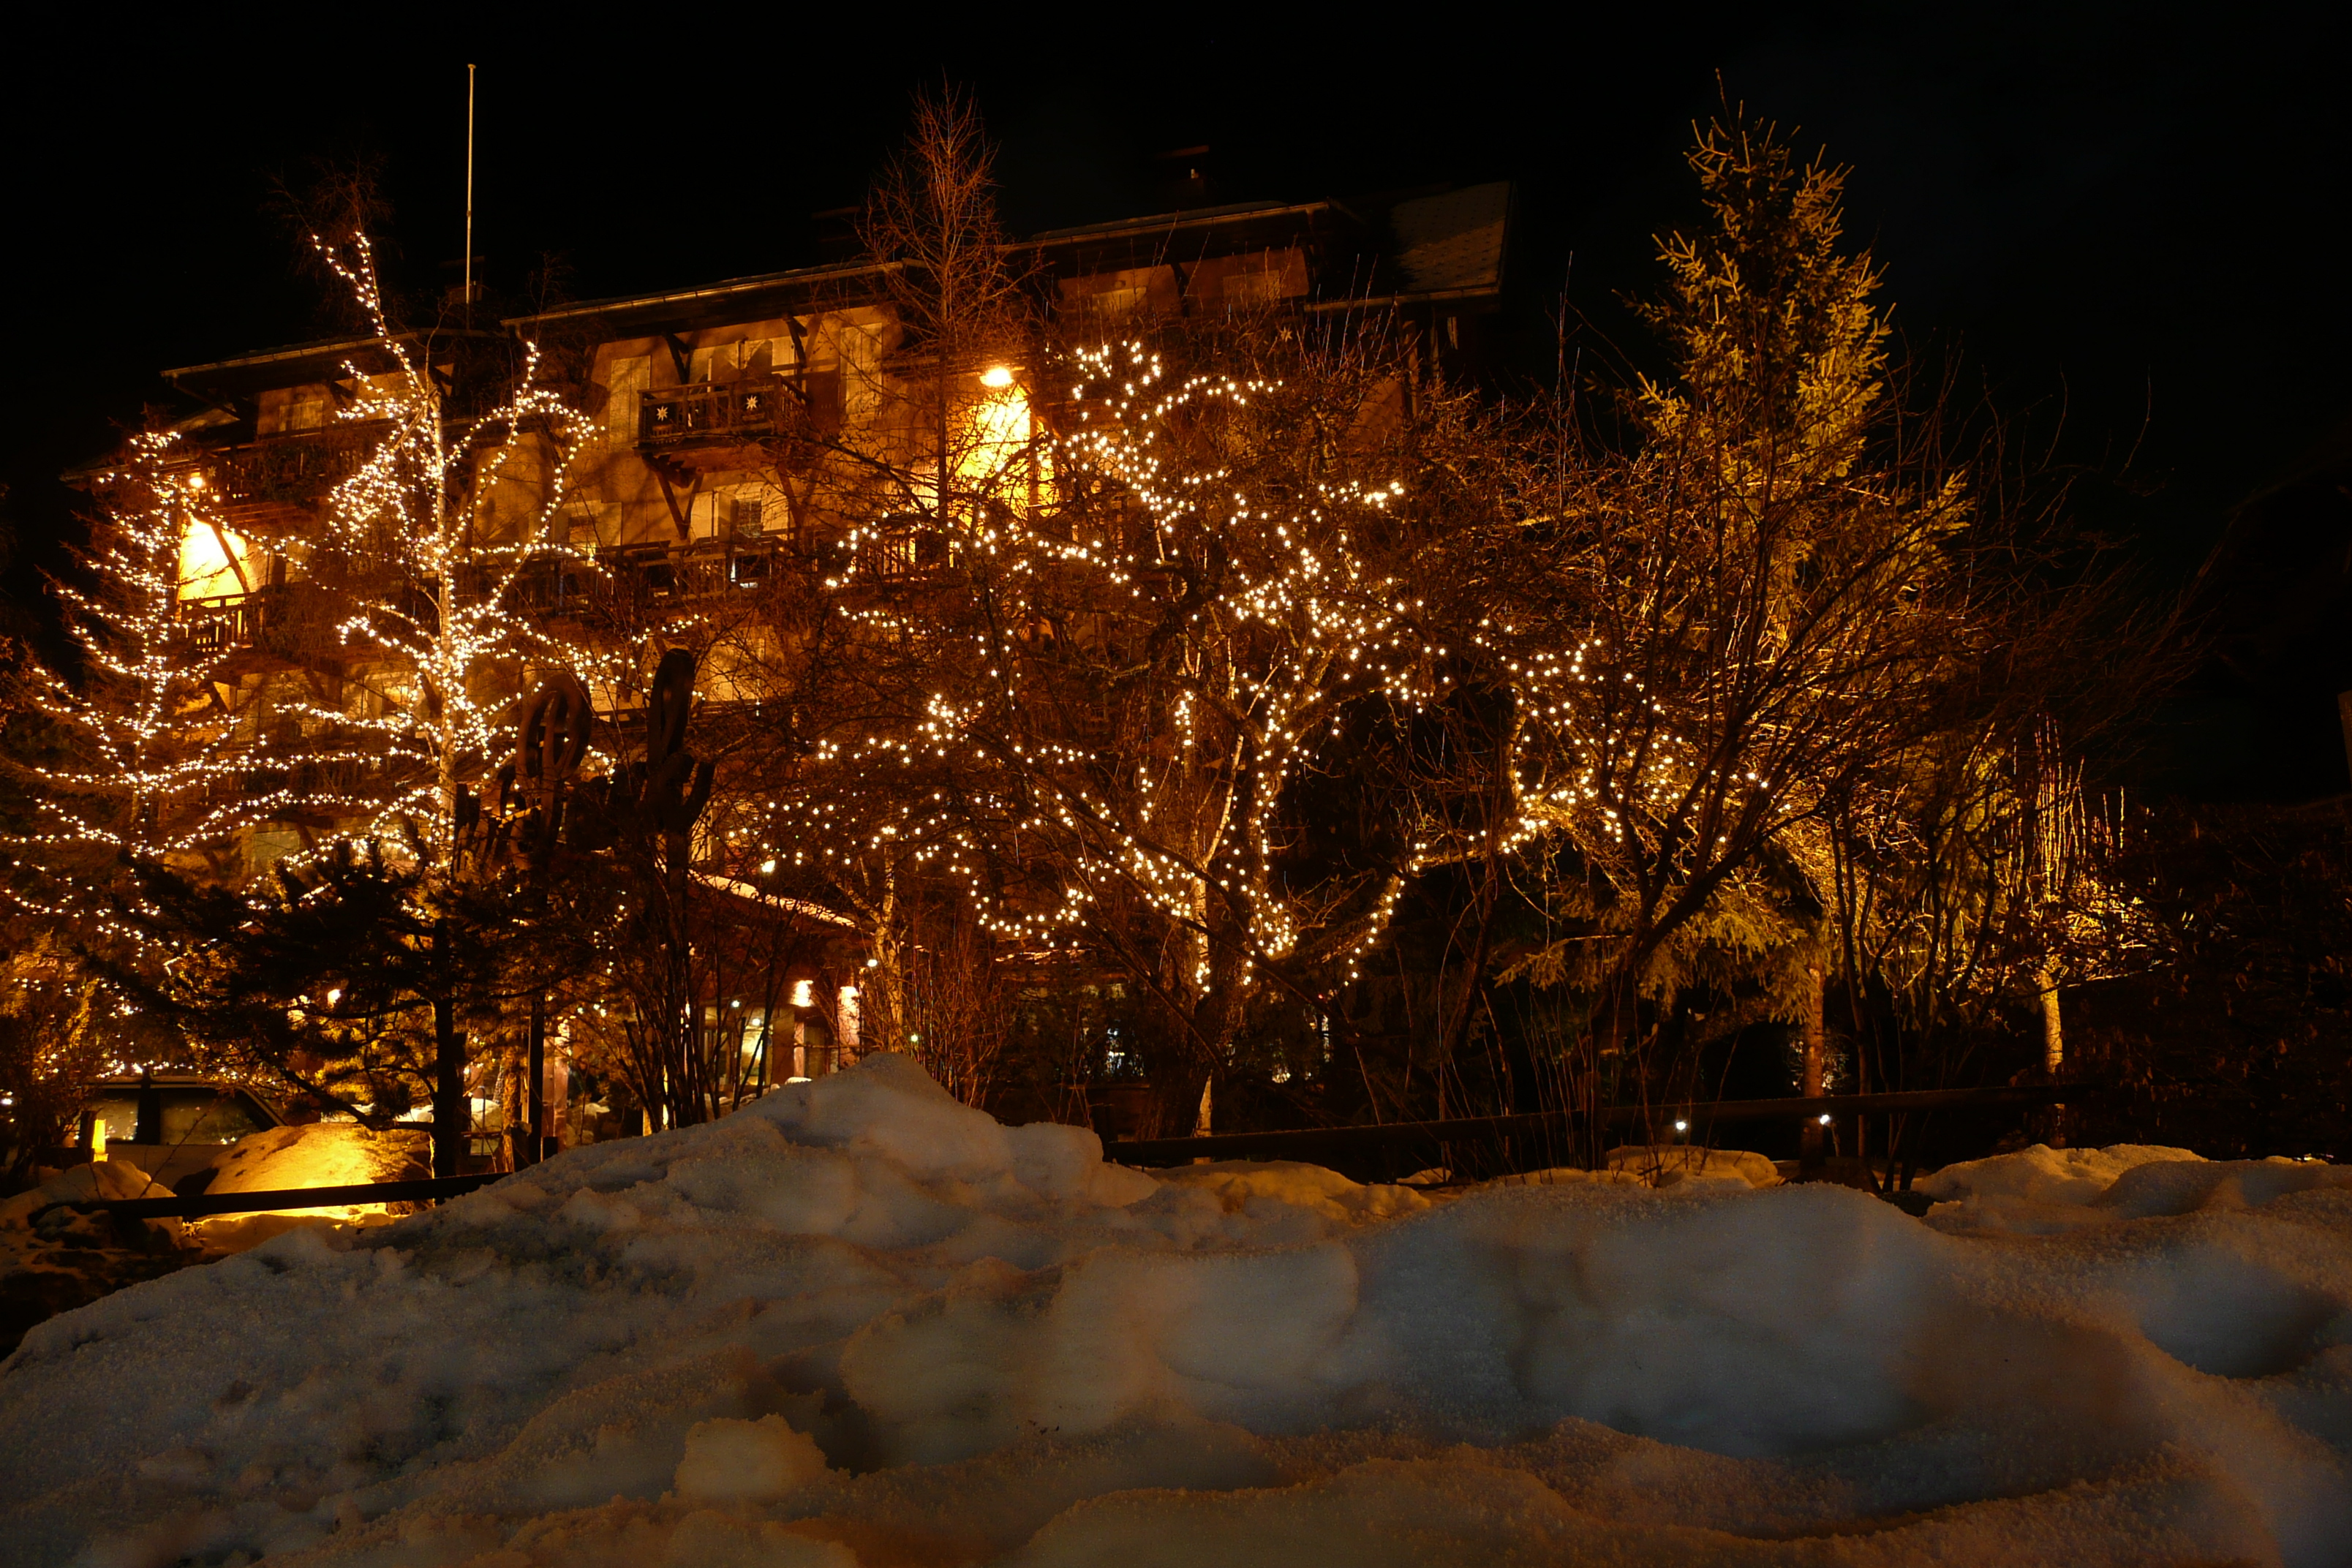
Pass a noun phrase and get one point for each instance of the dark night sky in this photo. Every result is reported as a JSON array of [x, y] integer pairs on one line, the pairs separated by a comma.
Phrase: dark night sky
[[2135, 214]]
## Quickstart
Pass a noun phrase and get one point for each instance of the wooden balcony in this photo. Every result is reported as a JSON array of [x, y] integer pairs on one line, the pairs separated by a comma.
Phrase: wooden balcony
[[277, 480], [304, 779], [749, 410], [233, 620], [650, 579]]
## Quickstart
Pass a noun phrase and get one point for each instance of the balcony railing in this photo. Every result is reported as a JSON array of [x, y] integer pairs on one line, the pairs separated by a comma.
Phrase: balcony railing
[[707, 569], [747, 409], [232, 620], [626, 583], [305, 780], [291, 469]]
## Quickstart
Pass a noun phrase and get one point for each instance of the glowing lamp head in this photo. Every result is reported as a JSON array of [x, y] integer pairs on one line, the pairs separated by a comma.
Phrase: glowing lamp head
[[1682, 1126], [195, 481], [767, 867], [997, 376], [1825, 1120]]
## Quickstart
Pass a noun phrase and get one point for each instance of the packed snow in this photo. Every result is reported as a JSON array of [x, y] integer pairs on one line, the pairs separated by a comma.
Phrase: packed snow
[[319, 1154], [859, 1324]]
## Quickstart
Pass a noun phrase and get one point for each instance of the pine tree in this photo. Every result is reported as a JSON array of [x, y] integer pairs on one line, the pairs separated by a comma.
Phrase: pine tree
[[1732, 626], [136, 757]]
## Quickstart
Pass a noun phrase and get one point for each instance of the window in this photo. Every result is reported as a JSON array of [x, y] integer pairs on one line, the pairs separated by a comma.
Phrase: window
[[213, 564], [308, 408], [1243, 290], [1110, 304], [760, 356], [711, 516], [861, 375], [727, 513]]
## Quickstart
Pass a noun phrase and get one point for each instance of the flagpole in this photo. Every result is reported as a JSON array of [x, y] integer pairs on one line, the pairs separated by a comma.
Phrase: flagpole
[[470, 196]]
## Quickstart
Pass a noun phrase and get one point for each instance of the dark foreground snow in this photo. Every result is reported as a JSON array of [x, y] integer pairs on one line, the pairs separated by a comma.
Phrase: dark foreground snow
[[859, 1324]]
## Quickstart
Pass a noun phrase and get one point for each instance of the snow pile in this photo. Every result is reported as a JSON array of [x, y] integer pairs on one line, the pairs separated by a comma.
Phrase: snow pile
[[54, 1258], [1265, 1188], [1669, 1165], [859, 1324], [2042, 1191], [84, 1183], [318, 1155], [321, 1154]]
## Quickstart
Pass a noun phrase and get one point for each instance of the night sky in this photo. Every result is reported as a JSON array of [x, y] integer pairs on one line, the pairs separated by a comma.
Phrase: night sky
[[2136, 215]]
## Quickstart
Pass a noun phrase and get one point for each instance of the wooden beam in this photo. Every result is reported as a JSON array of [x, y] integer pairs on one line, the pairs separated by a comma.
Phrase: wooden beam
[[424, 1189], [1313, 1142]]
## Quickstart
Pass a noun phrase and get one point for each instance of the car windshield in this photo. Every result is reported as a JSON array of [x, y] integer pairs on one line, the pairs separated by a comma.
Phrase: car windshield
[[193, 1113]]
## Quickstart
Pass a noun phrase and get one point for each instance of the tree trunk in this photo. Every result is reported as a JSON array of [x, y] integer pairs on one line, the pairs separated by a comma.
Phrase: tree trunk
[[535, 1101], [1813, 1142], [681, 1097], [451, 1122], [2054, 1048], [2054, 1033]]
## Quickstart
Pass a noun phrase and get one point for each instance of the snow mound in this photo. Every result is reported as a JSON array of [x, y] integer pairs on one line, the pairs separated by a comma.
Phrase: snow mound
[[321, 1154], [856, 1323], [2042, 1191], [86, 1183], [1672, 1165], [2043, 1174], [54, 1258], [1687, 1167], [1272, 1183], [318, 1155]]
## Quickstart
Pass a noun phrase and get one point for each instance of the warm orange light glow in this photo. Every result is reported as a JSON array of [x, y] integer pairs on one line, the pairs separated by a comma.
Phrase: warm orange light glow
[[208, 571], [1001, 432], [997, 376]]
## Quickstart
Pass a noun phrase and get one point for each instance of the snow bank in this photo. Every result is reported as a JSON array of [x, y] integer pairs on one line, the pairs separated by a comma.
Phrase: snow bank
[[1669, 1165], [79, 1183], [54, 1258], [2042, 1191], [321, 1154], [857, 1323], [318, 1154]]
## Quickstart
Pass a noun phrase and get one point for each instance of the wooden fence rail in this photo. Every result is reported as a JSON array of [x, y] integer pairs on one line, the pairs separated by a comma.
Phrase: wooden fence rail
[[1312, 1143], [203, 1204]]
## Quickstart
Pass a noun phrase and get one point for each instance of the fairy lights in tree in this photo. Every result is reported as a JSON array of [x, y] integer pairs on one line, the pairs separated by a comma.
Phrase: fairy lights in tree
[[428, 547], [144, 758], [1121, 686]]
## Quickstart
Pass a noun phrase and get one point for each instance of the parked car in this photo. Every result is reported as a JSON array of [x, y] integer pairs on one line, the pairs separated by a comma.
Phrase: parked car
[[171, 1125]]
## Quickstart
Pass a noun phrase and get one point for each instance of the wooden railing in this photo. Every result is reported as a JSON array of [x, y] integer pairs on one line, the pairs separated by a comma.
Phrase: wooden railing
[[748, 408], [705, 568], [426, 1189], [232, 620], [1318, 1143], [302, 779], [297, 468], [632, 580]]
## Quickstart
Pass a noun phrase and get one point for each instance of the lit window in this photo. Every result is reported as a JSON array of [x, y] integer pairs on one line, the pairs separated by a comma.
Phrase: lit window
[[212, 562]]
